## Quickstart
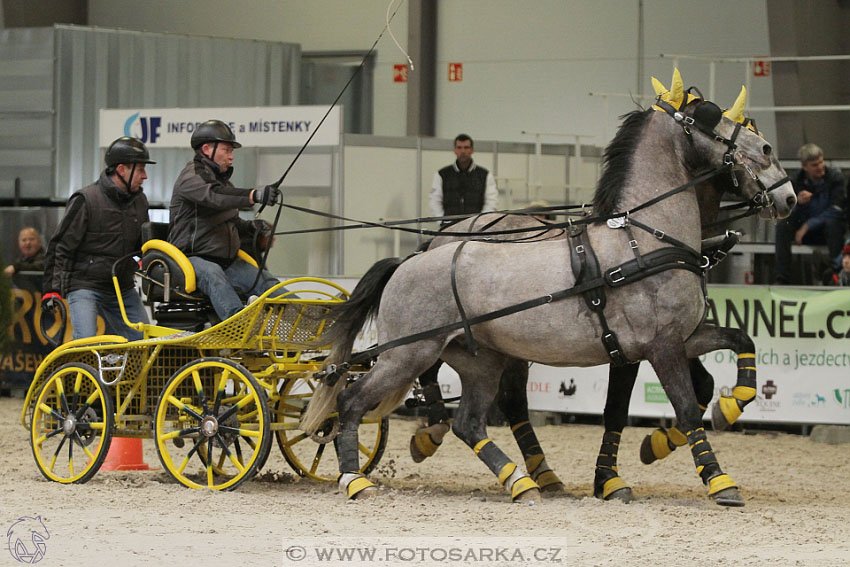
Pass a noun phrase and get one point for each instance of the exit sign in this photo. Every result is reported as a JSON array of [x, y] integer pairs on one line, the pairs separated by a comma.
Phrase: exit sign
[[400, 73], [455, 72]]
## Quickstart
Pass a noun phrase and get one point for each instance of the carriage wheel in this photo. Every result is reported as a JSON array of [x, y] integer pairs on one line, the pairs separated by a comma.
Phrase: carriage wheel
[[314, 455], [212, 425], [72, 417]]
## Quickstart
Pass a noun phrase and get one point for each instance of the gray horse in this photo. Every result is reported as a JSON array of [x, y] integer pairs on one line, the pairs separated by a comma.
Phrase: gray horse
[[656, 317]]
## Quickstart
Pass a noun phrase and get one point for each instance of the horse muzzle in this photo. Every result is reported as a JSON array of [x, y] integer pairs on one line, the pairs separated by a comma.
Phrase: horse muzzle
[[779, 202]]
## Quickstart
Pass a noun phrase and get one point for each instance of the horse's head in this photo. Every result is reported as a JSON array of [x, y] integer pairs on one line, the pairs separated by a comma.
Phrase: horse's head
[[727, 140]]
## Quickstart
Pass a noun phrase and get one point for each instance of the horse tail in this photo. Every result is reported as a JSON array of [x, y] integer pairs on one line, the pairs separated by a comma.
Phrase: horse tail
[[348, 318]]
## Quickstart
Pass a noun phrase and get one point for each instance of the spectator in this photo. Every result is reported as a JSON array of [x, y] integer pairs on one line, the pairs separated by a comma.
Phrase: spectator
[[32, 253], [842, 278], [102, 223], [205, 221], [818, 217], [463, 187]]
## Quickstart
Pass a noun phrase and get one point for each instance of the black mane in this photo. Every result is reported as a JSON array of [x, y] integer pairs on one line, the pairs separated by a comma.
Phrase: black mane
[[616, 162]]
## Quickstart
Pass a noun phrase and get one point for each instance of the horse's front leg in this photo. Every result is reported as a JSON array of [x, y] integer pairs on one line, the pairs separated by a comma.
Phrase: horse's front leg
[[663, 441], [479, 382], [668, 357], [513, 402], [708, 338], [607, 483]]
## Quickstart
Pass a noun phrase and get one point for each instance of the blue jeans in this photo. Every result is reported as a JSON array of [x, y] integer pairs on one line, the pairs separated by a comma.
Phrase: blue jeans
[[218, 283], [86, 304]]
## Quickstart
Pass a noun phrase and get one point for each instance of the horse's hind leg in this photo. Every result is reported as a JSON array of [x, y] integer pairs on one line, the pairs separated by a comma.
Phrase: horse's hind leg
[[661, 442], [425, 442], [381, 389], [513, 402], [668, 357], [607, 483], [479, 379], [708, 338]]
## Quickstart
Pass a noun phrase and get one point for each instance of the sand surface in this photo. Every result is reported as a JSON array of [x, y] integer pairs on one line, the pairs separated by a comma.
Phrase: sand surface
[[797, 508]]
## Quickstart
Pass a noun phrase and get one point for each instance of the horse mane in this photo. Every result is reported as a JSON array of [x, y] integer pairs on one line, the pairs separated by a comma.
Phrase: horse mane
[[616, 162]]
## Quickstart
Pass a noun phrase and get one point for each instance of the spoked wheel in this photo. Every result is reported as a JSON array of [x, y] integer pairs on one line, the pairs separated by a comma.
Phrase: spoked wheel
[[72, 422], [212, 425], [314, 455]]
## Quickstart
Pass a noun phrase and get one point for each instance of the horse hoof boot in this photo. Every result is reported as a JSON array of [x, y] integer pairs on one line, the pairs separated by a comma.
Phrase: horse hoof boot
[[531, 497], [425, 442], [356, 486], [612, 488], [718, 419], [729, 497], [548, 481]]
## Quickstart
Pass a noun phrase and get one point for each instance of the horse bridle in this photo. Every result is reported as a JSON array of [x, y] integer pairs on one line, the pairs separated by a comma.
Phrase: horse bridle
[[760, 200]]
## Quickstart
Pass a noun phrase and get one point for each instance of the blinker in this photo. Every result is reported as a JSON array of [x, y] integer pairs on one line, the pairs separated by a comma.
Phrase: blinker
[[708, 114]]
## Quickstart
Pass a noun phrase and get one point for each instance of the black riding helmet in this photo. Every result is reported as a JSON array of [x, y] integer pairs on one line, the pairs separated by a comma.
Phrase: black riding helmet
[[213, 131], [126, 150]]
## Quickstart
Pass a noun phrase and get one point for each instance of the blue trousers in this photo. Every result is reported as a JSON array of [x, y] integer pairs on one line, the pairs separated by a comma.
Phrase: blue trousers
[[218, 284], [86, 304]]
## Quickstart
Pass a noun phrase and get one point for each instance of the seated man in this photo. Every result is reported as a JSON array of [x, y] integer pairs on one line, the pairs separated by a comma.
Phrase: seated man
[[32, 253], [818, 217], [205, 223]]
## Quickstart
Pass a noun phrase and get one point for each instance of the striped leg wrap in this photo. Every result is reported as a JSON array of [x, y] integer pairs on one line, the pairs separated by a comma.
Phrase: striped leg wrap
[[541, 473], [353, 483], [704, 459], [608, 452], [729, 408], [607, 479]]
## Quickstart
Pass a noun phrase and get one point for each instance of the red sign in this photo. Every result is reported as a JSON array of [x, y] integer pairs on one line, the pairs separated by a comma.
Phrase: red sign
[[761, 68], [455, 72], [400, 73]]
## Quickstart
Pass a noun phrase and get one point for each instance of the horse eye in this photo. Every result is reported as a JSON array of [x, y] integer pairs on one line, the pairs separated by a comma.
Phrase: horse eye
[[766, 149]]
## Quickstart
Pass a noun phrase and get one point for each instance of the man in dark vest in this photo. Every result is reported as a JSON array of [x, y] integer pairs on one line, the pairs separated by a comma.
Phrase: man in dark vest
[[102, 223], [464, 187]]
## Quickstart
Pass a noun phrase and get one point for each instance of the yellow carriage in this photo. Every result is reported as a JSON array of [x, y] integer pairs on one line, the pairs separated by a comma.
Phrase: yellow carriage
[[212, 400]]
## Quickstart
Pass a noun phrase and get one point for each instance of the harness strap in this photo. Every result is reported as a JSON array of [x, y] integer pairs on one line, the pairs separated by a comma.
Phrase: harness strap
[[584, 260], [470, 341], [667, 258], [372, 352]]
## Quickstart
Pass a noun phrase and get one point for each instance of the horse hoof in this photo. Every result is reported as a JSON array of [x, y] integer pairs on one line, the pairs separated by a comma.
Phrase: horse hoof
[[729, 497], [554, 487], [366, 494], [718, 419], [530, 497], [415, 454], [624, 495], [647, 456]]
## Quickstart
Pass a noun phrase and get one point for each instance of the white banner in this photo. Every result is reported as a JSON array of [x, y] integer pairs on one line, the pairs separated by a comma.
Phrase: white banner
[[259, 126]]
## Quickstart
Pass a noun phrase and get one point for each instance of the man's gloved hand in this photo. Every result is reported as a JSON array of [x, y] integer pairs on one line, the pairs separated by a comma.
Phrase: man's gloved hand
[[268, 195], [49, 301]]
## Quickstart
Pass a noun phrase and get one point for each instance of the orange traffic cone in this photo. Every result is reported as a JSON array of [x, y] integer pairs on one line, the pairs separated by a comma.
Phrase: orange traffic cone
[[125, 454]]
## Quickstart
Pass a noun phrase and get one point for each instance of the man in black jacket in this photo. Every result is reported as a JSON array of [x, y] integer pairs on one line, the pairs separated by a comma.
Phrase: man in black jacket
[[463, 187], [205, 221], [102, 223]]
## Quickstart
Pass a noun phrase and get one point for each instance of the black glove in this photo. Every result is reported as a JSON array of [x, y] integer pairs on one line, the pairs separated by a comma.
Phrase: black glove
[[268, 195], [262, 228], [49, 301]]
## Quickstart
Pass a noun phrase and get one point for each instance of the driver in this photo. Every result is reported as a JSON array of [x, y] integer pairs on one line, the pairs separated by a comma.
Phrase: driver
[[205, 222], [102, 223]]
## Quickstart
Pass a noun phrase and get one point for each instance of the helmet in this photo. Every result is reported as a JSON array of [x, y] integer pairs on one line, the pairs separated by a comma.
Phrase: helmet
[[213, 131], [127, 150]]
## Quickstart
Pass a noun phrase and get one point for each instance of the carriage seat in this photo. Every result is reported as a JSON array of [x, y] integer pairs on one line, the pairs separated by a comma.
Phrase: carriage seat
[[169, 283]]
